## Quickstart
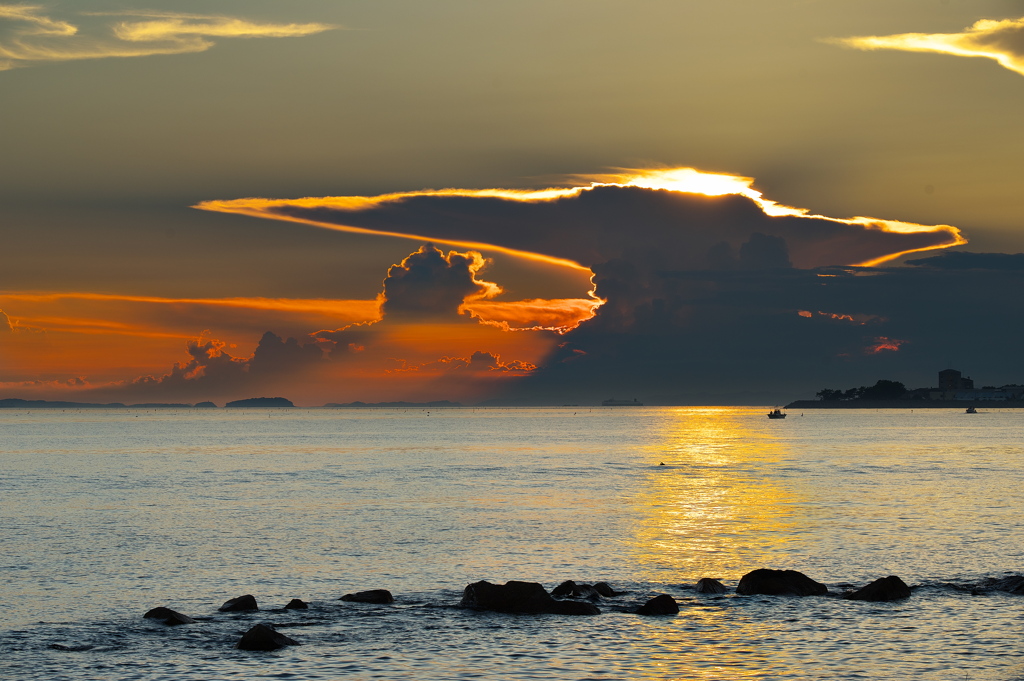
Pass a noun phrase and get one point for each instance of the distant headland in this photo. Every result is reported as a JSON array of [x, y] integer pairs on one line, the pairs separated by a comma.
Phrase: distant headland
[[392, 405], [954, 391], [15, 403]]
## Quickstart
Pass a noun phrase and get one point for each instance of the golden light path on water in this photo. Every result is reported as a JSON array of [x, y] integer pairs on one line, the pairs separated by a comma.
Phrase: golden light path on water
[[708, 512], [711, 512]]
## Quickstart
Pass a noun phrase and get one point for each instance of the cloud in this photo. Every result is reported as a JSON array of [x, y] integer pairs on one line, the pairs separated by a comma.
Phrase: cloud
[[559, 314], [701, 282], [213, 372], [431, 284], [478, 363], [1000, 40], [768, 336], [159, 317], [31, 37], [672, 219]]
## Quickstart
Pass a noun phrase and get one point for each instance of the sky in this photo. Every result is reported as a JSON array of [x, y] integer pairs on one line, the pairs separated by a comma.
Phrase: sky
[[551, 202]]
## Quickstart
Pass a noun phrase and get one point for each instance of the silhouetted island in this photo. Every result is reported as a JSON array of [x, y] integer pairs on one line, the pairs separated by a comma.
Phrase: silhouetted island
[[392, 405], [260, 402]]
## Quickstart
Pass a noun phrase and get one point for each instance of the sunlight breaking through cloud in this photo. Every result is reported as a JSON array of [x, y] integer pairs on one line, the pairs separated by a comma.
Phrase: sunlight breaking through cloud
[[682, 180]]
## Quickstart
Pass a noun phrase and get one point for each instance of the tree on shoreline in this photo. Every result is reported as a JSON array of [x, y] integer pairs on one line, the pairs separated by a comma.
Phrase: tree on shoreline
[[881, 390]]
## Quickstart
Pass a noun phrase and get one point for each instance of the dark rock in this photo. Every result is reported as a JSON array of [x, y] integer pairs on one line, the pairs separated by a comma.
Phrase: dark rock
[[296, 604], [779, 583], [605, 590], [890, 588], [246, 603], [372, 596], [1013, 584], [707, 585], [168, 616], [71, 649], [520, 597], [570, 589], [263, 637], [662, 604], [565, 589]]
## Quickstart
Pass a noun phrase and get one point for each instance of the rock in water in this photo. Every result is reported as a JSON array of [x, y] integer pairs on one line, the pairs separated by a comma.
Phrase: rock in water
[[570, 589], [168, 616], [779, 583], [1013, 584], [262, 637], [707, 585], [566, 588], [296, 604], [372, 596], [246, 603], [605, 590], [890, 588], [520, 597], [662, 604]]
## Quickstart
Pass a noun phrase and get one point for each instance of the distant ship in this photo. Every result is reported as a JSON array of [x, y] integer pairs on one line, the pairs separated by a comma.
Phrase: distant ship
[[622, 403], [776, 414]]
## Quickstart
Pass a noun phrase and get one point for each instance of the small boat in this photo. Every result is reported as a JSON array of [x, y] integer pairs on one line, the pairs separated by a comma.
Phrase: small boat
[[776, 414], [971, 410]]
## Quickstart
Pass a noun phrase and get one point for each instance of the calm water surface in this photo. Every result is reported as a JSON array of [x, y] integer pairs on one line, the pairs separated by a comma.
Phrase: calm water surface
[[106, 514]]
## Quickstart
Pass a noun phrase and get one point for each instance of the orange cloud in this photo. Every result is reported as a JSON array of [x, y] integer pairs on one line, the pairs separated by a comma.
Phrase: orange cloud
[[882, 344], [999, 40], [479, 362], [433, 305], [559, 315], [177, 317], [107, 337]]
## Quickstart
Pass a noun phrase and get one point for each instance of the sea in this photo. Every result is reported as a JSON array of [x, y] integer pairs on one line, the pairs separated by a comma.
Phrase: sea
[[107, 513]]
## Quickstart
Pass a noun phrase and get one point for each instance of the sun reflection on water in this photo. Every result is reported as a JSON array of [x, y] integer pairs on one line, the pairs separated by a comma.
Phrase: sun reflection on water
[[713, 509]]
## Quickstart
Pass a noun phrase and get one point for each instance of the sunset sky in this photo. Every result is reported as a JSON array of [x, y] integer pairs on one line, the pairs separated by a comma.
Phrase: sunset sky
[[525, 202]]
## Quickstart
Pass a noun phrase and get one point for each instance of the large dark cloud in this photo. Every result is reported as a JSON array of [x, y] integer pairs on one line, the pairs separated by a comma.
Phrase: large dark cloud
[[709, 298], [662, 229], [772, 335]]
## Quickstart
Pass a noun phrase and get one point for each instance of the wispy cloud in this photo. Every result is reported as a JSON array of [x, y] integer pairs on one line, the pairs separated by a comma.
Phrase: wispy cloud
[[28, 35], [1001, 40]]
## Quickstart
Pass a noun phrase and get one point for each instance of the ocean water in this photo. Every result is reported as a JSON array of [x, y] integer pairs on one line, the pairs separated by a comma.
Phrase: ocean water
[[106, 514]]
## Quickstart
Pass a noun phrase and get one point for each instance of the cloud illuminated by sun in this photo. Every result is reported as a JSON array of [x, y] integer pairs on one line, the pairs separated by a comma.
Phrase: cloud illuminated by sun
[[29, 36], [682, 179], [999, 40]]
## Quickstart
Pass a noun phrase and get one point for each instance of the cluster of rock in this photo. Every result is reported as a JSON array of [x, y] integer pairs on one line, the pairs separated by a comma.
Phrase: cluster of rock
[[571, 598]]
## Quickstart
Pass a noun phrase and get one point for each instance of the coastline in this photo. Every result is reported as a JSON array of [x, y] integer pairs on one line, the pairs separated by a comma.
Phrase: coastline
[[905, 404]]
